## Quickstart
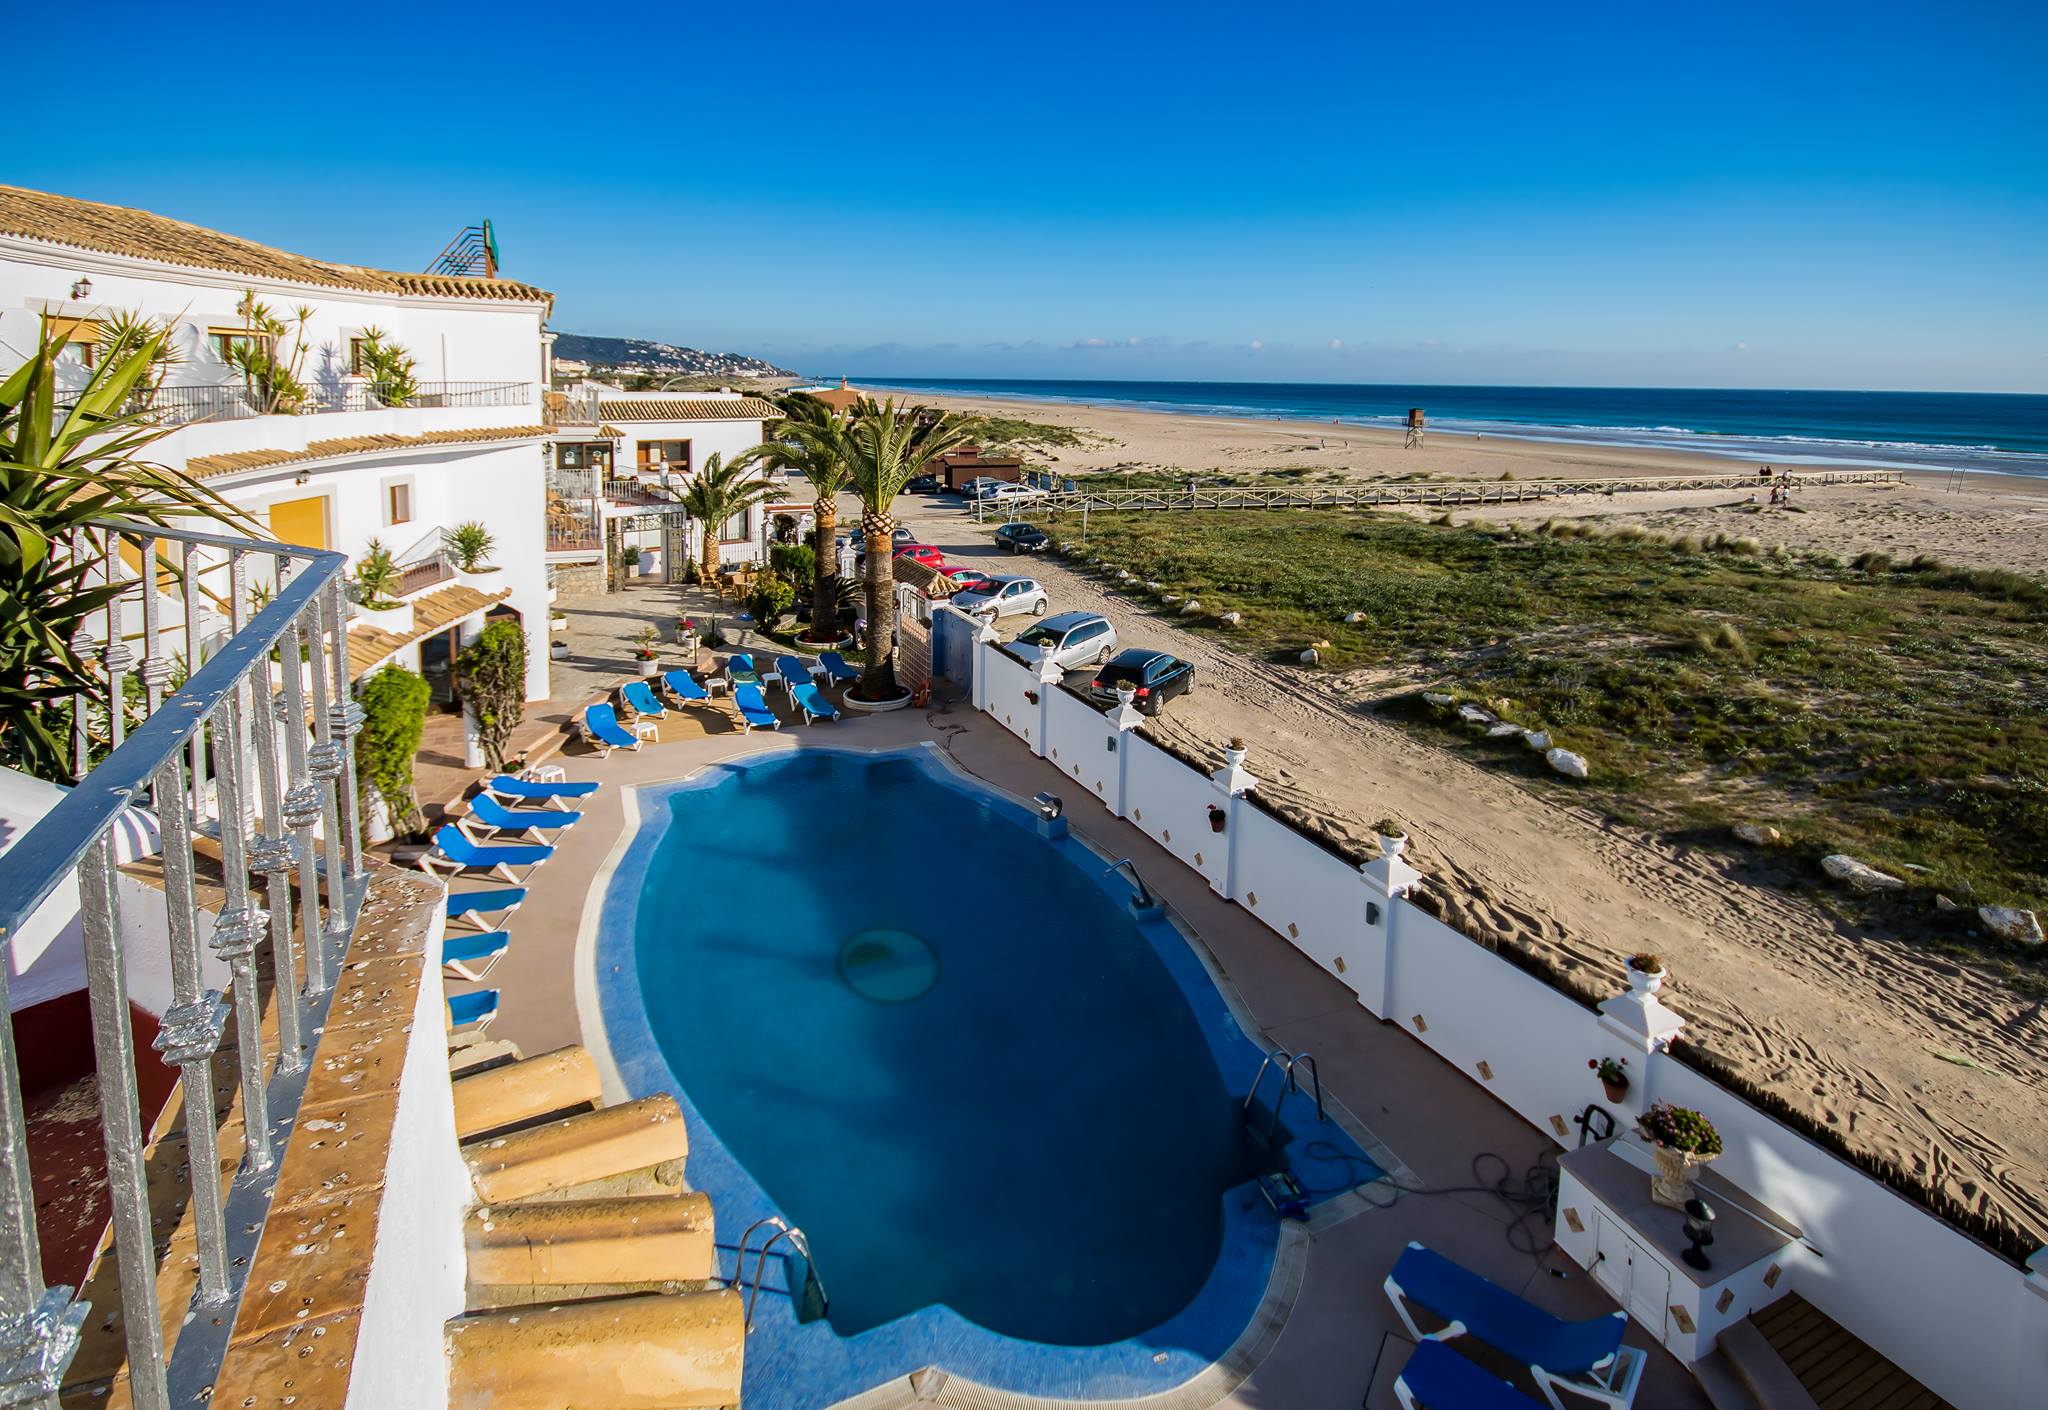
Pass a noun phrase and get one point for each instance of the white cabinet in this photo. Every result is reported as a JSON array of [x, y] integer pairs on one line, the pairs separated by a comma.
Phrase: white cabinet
[[1634, 1248]]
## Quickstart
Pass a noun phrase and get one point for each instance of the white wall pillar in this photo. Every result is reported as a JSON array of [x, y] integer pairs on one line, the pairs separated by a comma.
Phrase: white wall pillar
[[1231, 783], [1124, 718], [1049, 678], [1639, 1021], [984, 642], [1388, 880]]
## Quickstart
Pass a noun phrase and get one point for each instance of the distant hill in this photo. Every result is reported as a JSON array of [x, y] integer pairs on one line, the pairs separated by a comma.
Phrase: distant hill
[[638, 355]]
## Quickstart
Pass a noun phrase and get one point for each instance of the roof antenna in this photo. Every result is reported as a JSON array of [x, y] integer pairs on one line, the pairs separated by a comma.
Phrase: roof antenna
[[473, 252]]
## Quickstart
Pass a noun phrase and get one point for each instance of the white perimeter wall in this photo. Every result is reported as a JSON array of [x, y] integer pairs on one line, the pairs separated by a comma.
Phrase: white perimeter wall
[[418, 1269], [1960, 1319]]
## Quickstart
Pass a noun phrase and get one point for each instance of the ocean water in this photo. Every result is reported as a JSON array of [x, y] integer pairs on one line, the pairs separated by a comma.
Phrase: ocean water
[[1984, 431], [944, 1050]]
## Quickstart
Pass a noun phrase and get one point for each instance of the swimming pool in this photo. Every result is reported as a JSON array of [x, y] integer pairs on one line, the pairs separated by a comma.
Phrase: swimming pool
[[940, 1044]]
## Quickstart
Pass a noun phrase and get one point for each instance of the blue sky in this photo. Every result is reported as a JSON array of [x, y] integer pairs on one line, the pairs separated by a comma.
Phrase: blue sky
[[1728, 195]]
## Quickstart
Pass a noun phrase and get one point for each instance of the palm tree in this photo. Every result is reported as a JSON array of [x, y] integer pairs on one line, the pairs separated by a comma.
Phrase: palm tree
[[721, 490], [885, 448], [59, 472], [812, 442]]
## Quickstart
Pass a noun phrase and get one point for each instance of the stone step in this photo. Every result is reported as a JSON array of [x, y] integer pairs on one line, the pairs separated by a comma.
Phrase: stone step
[[1756, 1362], [634, 1148], [1724, 1386], [592, 1241], [517, 1093], [469, 1052], [648, 1352]]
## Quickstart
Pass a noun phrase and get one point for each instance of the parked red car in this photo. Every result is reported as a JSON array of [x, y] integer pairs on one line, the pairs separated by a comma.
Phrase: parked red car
[[922, 553]]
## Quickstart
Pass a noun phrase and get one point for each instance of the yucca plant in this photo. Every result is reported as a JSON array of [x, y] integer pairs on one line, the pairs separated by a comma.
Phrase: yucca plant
[[377, 575], [274, 379], [133, 328], [390, 369], [719, 491], [885, 447], [471, 544], [59, 472]]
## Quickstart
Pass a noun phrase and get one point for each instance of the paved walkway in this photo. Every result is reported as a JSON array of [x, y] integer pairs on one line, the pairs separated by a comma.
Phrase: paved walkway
[[1341, 1346]]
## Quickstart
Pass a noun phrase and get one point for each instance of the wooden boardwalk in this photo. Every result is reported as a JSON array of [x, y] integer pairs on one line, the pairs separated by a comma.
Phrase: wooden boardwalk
[[1366, 496]]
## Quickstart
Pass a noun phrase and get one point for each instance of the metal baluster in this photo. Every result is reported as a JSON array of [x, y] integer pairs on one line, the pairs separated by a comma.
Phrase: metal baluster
[[155, 668], [121, 1123], [191, 1028], [38, 1325], [241, 923], [345, 722], [301, 804], [115, 655], [271, 856], [81, 702], [190, 590], [324, 763]]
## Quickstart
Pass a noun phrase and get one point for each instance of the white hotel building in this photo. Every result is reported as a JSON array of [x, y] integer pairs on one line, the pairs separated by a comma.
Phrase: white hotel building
[[343, 467]]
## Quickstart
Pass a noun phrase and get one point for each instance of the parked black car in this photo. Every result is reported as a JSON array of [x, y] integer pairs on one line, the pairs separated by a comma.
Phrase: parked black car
[[1156, 676], [1022, 538], [921, 484]]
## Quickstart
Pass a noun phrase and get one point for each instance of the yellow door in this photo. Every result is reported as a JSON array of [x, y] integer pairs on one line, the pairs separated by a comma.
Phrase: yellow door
[[300, 521]]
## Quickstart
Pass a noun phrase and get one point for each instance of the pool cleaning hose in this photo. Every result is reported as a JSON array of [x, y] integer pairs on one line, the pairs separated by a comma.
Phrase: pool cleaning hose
[[1530, 1200]]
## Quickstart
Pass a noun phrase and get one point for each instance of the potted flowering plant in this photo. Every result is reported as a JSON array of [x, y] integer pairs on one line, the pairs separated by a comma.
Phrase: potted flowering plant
[[1645, 973], [646, 650], [1613, 1075], [1393, 838], [1681, 1139]]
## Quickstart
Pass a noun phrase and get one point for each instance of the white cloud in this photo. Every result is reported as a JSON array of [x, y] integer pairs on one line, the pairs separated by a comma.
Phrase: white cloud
[[1336, 345], [1258, 345]]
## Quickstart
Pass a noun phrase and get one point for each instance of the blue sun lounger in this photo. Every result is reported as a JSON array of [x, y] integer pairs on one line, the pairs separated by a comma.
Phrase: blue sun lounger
[[793, 672], [602, 728], [683, 686], [1437, 1378], [472, 1012], [813, 703], [1585, 1358], [639, 697], [472, 957], [499, 901], [453, 848], [508, 789], [739, 671], [488, 813], [836, 667], [754, 711]]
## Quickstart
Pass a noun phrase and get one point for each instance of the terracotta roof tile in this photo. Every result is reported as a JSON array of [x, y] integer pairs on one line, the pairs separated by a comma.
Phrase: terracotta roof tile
[[925, 578], [687, 409], [119, 230], [206, 467], [371, 647]]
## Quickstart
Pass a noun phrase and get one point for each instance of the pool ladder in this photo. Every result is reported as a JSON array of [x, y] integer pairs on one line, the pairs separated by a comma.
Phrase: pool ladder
[[1144, 900], [781, 1230], [1286, 1063]]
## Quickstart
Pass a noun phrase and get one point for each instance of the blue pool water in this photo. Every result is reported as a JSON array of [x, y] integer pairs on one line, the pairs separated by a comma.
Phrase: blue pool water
[[1005, 1112]]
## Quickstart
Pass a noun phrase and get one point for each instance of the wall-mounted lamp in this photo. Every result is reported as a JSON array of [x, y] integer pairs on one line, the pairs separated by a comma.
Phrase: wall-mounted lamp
[[81, 288], [302, 478], [1372, 913]]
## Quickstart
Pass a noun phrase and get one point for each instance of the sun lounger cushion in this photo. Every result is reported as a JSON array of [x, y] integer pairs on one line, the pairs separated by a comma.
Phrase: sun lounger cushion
[[812, 701], [498, 898], [640, 696], [837, 666], [602, 722], [457, 848], [1523, 1332], [1440, 1379], [493, 814], [506, 786], [753, 709], [684, 686]]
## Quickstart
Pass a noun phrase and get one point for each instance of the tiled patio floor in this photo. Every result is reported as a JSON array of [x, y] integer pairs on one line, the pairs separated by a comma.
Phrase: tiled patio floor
[[1342, 1346]]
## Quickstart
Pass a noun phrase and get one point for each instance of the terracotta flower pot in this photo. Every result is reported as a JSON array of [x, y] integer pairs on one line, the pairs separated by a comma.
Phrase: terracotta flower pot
[[1616, 1091]]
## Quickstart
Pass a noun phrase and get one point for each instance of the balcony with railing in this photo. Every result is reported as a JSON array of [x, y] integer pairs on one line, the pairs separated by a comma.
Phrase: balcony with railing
[[248, 770], [240, 401]]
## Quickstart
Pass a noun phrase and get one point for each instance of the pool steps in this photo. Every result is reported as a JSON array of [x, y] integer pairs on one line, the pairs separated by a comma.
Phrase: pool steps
[[591, 1271], [512, 1094]]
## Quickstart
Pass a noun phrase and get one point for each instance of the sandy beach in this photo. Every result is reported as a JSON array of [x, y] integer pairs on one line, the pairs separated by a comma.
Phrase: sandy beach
[[1979, 519], [1911, 1055]]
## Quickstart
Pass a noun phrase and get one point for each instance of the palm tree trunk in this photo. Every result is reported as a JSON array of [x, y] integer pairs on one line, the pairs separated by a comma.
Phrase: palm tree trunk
[[710, 556], [824, 601], [878, 682]]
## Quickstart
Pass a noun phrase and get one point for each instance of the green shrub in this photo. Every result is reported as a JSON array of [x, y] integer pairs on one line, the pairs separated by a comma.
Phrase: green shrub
[[394, 702], [493, 671], [796, 562], [770, 600]]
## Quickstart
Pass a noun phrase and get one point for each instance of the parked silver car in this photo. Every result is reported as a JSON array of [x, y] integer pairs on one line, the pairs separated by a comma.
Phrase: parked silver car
[[1009, 596], [1076, 639]]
